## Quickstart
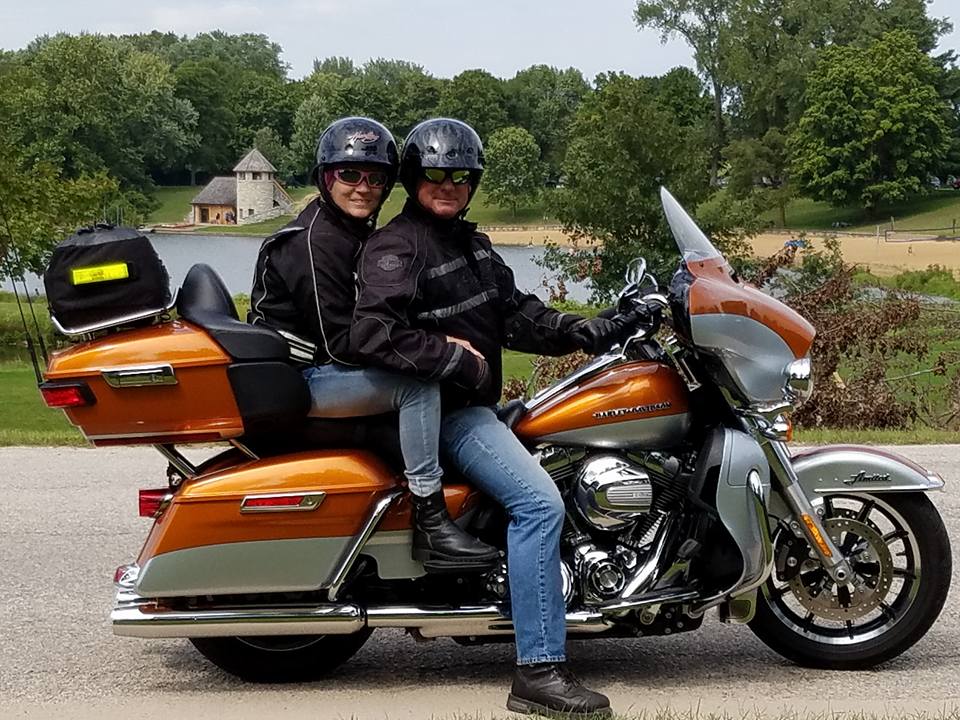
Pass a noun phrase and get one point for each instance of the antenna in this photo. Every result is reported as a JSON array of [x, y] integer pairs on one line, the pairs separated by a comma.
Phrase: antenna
[[23, 318]]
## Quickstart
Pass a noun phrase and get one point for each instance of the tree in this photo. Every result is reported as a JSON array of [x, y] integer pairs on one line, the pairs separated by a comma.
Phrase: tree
[[543, 100], [705, 26], [759, 169], [200, 83], [514, 174], [247, 51], [268, 142], [259, 101], [39, 207], [339, 66], [874, 125], [89, 103], [326, 102], [410, 93], [625, 143], [477, 98]]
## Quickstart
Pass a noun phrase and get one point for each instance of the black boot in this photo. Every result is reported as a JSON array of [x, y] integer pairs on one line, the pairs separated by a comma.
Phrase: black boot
[[440, 544], [552, 690]]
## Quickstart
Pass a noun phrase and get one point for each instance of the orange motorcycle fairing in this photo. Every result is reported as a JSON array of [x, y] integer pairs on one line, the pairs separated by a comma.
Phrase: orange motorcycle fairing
[[715, 292], [637, 404], [182, 393], [278, 524]]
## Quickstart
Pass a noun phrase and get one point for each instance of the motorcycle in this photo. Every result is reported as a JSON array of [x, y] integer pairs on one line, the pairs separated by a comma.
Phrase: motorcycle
[[279, 556]]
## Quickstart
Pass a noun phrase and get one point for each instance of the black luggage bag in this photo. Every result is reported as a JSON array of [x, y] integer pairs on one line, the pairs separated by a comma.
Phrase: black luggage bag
[[103, 277]]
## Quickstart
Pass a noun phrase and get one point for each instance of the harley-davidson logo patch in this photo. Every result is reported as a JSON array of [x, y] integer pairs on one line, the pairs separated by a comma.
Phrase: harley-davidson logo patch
[[389, 263]]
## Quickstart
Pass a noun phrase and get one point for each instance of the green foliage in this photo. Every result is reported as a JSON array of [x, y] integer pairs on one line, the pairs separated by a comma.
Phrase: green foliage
[[758, 168], [874, 125], [543, 100], [39, 207], [626, 141], [201, 83], [268, 142], [705, 25], [935, 281], [89, 103], [514, 174], [477, 98]]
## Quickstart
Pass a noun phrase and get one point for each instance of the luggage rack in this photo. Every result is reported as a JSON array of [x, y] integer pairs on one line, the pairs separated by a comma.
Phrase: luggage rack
[[116, 322]]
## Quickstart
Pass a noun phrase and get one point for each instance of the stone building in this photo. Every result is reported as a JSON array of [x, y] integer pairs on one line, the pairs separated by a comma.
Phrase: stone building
[[251, 195]]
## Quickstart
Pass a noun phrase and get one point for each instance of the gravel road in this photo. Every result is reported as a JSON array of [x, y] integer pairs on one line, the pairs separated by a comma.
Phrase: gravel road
[[68, 518]]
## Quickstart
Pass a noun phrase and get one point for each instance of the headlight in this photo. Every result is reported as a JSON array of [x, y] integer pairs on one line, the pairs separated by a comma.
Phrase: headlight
[[799, 385]]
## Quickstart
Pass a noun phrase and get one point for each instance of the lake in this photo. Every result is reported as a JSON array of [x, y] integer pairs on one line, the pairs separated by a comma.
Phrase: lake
[[234, 258]]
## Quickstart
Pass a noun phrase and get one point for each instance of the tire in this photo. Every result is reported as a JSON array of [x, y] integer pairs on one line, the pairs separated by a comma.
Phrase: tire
[[924, 583], [296, 658]]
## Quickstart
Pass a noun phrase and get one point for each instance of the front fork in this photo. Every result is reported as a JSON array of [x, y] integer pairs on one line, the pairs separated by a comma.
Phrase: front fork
[[806, 520]]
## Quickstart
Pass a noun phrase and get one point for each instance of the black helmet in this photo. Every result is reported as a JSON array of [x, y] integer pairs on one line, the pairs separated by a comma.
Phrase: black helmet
[[441, 143], [356, 140]]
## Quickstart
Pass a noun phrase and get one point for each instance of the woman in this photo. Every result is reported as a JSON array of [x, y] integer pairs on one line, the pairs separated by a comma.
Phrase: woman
[[305, 289]]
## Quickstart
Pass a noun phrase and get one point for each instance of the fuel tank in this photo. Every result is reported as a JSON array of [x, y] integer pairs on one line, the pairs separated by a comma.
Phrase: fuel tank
[[642, 405]]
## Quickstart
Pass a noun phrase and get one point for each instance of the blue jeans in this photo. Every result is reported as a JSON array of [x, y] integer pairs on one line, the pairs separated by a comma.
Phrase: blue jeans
[[338, 391], [489, 455]]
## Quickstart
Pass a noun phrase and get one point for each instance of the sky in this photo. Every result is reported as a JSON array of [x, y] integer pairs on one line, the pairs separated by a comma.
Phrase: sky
[[444, 36]]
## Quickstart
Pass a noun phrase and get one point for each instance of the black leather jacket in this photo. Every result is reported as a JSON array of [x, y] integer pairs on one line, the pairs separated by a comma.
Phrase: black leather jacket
[[305, 285], [421, 280]]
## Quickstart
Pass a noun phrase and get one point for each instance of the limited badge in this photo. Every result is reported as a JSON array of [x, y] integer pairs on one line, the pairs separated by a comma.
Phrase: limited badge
[[389, 263]]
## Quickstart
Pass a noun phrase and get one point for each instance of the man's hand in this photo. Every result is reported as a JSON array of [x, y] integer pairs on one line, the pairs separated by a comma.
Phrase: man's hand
[[599, 334], [465, 344]]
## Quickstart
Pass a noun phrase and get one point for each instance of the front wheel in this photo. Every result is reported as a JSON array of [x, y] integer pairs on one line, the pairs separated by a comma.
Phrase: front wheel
[[899, 550], [295, 658]]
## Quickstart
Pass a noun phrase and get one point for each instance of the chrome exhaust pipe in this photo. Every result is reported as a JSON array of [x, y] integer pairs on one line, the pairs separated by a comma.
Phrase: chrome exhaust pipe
[[137, 617], [145, 621]]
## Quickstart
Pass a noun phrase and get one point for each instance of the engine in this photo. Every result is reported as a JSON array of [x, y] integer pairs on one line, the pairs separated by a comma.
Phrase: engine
[[612, 493], [615, 502]]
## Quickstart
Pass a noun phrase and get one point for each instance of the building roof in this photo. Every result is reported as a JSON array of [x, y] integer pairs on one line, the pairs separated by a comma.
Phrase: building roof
[[254, 162], [219, 191]]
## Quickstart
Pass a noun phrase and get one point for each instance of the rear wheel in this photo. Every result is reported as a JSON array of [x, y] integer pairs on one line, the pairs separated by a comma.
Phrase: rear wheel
[[294, 658], [899, 550]]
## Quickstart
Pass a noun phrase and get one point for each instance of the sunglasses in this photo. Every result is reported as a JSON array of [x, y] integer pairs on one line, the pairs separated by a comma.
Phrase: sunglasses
[[438, 175], [350, 176]]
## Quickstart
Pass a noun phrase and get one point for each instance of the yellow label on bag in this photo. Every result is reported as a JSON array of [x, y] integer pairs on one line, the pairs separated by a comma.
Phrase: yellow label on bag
[[99, 273]]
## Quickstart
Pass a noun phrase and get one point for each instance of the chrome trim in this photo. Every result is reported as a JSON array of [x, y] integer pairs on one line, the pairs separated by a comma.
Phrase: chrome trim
[[244, 449], [799, 384], [144, 376], [597, 364], [139, 618], [311, 501], [649, 572], [338, 575], [179, 462], [114, 322], [655, 598], [781, 466], [134, 616]]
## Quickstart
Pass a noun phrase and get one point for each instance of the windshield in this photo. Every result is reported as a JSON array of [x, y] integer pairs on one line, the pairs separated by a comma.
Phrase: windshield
[[694, 245]]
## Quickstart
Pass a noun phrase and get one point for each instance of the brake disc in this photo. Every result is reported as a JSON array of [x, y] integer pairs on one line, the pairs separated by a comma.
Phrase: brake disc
[[872, 562]]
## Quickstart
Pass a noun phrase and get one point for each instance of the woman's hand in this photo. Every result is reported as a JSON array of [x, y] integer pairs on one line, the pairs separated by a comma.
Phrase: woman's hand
[[465, 344]]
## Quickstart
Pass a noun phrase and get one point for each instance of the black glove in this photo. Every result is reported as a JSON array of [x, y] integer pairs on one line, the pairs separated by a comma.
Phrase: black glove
[[599, 334]]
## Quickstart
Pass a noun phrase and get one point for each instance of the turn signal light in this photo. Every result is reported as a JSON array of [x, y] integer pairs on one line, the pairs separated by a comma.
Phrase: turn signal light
[[152, 503], [817, 536], [66, 395]]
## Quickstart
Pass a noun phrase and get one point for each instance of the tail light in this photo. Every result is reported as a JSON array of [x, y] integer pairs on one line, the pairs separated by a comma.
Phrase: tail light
[[66, 395], [152, 503]]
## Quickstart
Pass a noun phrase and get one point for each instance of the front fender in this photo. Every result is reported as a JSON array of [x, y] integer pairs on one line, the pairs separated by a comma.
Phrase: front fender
[[855, 468]]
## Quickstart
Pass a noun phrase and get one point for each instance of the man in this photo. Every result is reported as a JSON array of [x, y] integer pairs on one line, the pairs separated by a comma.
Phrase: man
[[437, 302]]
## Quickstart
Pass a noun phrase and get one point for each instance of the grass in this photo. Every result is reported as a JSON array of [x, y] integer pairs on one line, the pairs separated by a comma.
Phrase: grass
[[24, 419], [175, 206], [939, 209]]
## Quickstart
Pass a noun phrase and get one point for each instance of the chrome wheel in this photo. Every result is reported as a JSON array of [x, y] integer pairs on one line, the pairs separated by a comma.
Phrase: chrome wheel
[[883, 552], [898, 548]]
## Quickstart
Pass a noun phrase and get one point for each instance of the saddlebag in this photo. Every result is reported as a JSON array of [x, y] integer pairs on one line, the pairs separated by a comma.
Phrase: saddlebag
[[104, 277]]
